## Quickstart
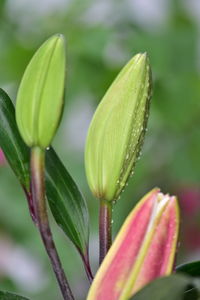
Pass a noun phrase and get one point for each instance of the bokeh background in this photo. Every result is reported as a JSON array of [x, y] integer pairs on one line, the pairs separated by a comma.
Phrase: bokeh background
[[102, 35]]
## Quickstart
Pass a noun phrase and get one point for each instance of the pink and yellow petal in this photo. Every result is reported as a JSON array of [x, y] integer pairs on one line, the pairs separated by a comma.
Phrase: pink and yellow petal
[[133, 259]]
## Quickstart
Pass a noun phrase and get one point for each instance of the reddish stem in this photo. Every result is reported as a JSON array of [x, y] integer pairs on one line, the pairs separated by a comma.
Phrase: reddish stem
[[38, 195], [105, 228]]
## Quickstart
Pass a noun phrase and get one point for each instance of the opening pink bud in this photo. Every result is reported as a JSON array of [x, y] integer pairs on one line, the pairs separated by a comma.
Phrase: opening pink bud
[[143, 250]]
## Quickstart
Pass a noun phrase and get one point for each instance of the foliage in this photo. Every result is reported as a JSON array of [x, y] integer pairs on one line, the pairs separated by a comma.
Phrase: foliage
[[171, 150]]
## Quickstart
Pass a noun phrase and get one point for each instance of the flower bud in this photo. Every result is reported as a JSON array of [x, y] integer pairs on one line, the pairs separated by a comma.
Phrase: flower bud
[[143, 250], [117, 130], [40, 95]]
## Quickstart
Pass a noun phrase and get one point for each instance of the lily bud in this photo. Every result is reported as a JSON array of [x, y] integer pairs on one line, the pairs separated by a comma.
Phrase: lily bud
[[40, 95], [117, 130], [143, 250]]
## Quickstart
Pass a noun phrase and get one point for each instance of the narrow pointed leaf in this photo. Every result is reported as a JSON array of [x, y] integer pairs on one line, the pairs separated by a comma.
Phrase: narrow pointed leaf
[[192, 269], [66, 202], [16, 152], [143, 250], [174, 287], [11, 296]]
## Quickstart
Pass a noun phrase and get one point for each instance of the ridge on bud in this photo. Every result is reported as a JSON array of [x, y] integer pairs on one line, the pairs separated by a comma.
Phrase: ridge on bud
[[143, 250], [117, 130], [40, 95]]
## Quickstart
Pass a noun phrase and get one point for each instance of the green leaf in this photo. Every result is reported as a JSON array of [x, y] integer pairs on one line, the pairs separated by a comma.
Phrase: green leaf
[[10, 296], [192, 269], [174, 287], [66, 202], [11, 143]]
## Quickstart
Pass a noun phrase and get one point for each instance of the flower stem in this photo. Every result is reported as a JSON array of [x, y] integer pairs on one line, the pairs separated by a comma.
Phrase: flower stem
[[38, 194], [105, 228]]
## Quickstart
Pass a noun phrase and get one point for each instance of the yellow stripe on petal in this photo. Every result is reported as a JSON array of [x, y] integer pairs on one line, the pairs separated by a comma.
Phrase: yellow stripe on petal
[[143, 250]]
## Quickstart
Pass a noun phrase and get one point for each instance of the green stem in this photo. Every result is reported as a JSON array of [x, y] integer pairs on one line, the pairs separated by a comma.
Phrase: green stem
[[105, 228], [38, 193]]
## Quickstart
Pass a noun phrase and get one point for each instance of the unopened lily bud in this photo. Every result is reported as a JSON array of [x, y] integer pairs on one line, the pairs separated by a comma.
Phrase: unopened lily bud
[[117, 130], [40, 95], [143, 250]]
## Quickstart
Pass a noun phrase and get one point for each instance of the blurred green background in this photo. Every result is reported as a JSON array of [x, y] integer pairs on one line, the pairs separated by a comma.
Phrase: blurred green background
[[102, 35]]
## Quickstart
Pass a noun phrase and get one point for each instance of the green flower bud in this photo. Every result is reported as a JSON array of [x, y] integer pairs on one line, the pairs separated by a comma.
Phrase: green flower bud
[[40, 95], [117, 130]]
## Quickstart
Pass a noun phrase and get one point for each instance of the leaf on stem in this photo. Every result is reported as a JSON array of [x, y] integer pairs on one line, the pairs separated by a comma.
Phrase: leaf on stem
[[15, 150], [174, 287], [192, 269], [66, 202], [10, 296]]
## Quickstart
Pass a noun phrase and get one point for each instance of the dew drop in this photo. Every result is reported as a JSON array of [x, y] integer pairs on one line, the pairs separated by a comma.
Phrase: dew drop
[[122, 184]]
